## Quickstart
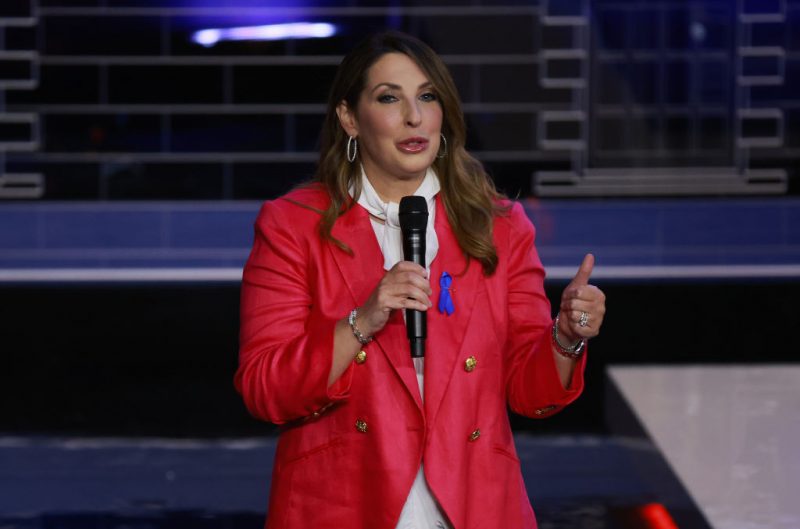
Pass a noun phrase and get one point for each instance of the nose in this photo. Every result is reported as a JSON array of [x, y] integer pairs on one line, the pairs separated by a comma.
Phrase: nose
[[413, 114]]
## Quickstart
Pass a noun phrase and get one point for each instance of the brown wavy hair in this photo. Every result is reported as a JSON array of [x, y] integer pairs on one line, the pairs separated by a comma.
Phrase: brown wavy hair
[[468, 193]]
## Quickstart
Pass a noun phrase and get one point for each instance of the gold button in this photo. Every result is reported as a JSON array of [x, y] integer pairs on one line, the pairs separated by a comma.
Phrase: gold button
[[546, 409], [361, 357], [469, 364], [361, 426], [474, 435]]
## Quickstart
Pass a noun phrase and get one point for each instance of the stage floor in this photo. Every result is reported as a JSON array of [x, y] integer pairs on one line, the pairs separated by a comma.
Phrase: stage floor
[[730, 433], [574, 482], [695, 446]]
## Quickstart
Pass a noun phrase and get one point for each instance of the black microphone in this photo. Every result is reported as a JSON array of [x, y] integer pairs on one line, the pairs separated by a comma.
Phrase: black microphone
[[414, 225]]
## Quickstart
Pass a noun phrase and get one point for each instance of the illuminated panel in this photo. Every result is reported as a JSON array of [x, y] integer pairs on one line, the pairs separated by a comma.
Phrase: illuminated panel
[[297, 30]]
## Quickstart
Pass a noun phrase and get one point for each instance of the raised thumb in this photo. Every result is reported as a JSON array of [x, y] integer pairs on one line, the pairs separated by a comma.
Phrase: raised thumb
[[585, 271]]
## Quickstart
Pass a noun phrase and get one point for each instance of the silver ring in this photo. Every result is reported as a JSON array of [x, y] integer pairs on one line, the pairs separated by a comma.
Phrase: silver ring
[[584, 319]]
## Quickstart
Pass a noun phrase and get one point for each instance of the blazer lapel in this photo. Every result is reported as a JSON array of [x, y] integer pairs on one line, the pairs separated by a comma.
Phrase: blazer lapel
[[361, 272], [446, 333]]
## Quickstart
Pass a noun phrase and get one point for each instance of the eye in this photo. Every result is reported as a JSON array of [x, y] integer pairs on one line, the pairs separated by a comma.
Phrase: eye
[[386, 98], [428, 97]]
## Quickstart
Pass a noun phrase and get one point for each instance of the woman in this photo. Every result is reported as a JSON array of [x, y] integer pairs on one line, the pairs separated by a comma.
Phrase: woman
[[370, 438]]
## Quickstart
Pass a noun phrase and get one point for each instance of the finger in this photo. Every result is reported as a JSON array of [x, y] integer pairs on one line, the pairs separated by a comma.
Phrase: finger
[[582, 306], [570, 330], [587, 294], [408, 266], [406, 303], [592, 327], [409, 303], [585, 271], [402, 291], [400, 279], [574, 317], [421, 283]]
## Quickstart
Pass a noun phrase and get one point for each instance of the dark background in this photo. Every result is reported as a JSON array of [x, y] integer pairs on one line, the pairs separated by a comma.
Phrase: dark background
[[159, 361], [126, 107], [138, 146]]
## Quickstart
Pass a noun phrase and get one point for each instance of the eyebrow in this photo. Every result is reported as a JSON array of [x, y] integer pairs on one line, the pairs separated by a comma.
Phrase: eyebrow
[[393, 86]]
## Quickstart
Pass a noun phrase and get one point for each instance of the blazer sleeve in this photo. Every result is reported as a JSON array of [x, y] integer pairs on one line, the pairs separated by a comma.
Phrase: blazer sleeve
[[533, 386], [286, 347]]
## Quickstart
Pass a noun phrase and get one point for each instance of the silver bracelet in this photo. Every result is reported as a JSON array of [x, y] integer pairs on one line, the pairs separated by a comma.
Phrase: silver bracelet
[[363, 340], [573, 351]]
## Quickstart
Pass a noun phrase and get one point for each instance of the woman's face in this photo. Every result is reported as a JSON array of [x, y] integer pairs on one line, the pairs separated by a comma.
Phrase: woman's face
[[397, 122]]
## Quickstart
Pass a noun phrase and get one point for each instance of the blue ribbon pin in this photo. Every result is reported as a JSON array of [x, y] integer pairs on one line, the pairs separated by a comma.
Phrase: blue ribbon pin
[[445, 299]]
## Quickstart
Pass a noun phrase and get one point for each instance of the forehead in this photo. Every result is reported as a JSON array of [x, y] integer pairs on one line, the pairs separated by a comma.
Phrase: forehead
[[396, 68]]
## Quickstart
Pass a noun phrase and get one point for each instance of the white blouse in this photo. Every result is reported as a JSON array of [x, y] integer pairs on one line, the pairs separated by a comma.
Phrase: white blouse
[[420, 510]]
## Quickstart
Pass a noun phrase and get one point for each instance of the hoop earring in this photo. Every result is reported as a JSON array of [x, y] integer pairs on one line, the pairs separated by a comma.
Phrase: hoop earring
[[444, 142], [354, 141]]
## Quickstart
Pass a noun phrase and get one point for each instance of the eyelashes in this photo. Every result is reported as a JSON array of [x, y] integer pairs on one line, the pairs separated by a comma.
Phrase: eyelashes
[[426, 97]]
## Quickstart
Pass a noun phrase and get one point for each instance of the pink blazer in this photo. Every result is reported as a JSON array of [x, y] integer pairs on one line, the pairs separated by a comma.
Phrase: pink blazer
[[348, 454]]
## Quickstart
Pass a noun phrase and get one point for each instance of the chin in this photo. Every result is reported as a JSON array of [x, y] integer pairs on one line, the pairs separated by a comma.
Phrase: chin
[[413, 174], [418, 167]]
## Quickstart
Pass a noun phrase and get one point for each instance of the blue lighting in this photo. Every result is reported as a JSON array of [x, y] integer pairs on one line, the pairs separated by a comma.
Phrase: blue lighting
[[296, 30]]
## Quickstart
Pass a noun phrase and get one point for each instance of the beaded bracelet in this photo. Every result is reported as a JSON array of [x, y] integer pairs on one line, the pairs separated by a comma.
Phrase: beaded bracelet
[[573, 351], [363, 340]]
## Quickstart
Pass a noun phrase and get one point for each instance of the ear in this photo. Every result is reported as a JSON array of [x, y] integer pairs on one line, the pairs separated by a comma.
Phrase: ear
[[347, 119]]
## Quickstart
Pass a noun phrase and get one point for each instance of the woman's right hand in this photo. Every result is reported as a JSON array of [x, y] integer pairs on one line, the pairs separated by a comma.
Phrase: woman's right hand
[[405, 286]]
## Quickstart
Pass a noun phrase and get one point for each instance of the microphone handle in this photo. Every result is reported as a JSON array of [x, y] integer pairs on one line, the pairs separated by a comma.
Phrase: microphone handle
[[416, 320]]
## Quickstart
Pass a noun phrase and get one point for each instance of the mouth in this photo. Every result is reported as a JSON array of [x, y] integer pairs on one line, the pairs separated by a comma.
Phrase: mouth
[[413, 145]]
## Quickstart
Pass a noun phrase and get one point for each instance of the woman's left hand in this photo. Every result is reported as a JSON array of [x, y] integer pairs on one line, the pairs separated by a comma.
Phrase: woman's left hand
[[583, 306]]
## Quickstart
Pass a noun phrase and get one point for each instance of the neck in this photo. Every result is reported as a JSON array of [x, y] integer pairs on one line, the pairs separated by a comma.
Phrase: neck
[[393, 190]]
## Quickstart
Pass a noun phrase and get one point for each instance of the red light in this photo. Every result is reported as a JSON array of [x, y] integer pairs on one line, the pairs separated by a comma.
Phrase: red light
[[656, 516]]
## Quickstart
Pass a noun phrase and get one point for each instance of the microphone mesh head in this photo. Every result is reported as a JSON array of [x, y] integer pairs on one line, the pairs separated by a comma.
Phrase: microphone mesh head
[[413, 213]]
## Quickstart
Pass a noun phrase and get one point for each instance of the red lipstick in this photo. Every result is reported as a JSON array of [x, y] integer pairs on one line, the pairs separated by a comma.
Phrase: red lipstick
[[413, 145]]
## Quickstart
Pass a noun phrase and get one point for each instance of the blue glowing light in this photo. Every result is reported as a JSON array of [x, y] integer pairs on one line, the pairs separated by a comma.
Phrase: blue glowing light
[[296, 30]]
